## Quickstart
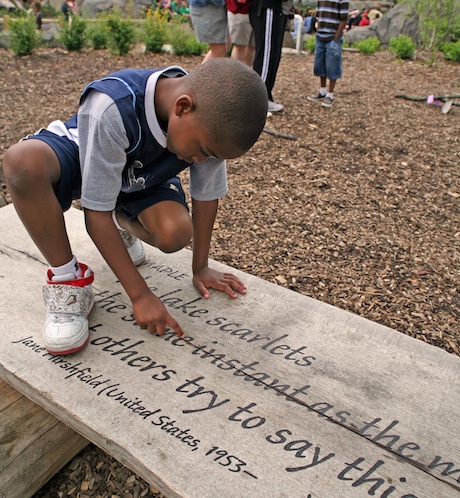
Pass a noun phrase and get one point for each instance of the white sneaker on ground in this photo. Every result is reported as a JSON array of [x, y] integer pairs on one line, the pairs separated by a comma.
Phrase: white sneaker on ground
[[68, 302], [134, 246], [274, 107]]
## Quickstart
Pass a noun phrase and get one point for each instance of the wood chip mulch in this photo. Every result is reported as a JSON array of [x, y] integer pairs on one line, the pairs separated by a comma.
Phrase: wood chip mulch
[[360, 210]]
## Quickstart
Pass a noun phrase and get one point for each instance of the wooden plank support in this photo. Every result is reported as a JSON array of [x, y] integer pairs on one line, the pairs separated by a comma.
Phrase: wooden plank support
[[34, 445], [273, 394]]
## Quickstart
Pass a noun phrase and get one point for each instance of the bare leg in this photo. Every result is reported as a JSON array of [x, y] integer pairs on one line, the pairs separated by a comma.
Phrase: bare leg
[[166, 225], [216, 50], [332, 85], [32, 170], [243, 53]]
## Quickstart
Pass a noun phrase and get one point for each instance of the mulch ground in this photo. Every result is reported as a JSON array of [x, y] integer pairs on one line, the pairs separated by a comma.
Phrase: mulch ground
[[360, 210]]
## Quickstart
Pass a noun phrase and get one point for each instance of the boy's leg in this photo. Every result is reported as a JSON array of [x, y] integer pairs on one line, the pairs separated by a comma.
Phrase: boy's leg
[[319, 69], [166, 225], [158, 215], [32, 170]]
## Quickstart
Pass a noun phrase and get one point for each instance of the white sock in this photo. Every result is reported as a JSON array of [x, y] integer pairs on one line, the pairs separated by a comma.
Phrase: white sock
[[114, 218], [323, 90], [330, 95], [71, 267]]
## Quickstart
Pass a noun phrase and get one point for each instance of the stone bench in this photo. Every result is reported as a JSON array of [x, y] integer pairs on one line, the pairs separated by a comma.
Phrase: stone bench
[[273, 394]]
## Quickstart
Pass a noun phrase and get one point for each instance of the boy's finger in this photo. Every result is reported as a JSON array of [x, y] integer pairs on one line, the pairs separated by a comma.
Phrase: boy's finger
[[202, 289], [227, 289], [175, 326]]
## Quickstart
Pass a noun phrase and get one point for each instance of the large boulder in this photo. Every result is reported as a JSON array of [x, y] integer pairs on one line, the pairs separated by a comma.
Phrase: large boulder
[[398, 20], [10, 5]]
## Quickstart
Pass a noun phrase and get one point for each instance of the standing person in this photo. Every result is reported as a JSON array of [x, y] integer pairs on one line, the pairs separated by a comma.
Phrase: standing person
[[268, 19], [241, 32], [69, 9], [209, 20], [136, 130], [242, 37], [332, 18], [184, 10], [36, 7]]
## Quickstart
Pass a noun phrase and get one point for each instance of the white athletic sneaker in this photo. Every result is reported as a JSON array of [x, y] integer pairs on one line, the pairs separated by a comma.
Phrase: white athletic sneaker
[[134, 246], [274, 107], [68, 302]]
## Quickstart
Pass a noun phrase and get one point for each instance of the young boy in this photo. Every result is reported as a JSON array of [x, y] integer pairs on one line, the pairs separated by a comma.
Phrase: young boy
[[332, 18], [137, 129]]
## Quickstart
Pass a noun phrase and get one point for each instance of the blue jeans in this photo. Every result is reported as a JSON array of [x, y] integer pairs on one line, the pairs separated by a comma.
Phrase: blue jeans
[[328, 59]]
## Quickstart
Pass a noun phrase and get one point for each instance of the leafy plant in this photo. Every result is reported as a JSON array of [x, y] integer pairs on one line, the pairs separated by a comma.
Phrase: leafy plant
[[402, 46], [121, 33], [310, 44], [368, 46], [98, 34], [451, 51], [24, 37], [437, 21], [154, 31], [49, 11], [184, 42], [73, 34]]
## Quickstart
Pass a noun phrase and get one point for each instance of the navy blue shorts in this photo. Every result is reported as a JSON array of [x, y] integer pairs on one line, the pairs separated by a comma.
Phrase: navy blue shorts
[[69, 187]]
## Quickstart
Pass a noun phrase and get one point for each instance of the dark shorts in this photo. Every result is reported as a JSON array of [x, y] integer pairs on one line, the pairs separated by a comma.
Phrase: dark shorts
[[69, 187]]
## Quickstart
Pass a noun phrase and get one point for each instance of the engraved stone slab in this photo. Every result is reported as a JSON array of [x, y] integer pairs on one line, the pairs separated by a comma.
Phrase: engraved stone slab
[[272, 394]]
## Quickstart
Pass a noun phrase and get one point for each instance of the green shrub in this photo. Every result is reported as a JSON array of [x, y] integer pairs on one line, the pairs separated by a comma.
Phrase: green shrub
[[24, 37], [154, 31], [184, 42], [121, 33], [310, 44], [49, 11], [456, 29], [98, 35], [451, 51], [368, 46], [73, 34], [402, 46]]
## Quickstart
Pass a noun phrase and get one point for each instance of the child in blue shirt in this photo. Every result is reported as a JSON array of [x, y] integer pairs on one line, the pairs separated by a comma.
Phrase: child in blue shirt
[[135, 130]]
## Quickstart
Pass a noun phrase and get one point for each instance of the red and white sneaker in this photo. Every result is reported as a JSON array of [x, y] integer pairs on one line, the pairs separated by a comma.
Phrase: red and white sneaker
[[68, 302]]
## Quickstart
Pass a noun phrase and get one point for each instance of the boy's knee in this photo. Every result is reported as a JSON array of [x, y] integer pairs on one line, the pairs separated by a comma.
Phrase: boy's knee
[[23, 168], [172, 239]]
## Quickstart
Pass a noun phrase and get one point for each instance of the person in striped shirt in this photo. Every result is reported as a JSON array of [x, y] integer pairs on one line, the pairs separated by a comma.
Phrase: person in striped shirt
[[332, 18]]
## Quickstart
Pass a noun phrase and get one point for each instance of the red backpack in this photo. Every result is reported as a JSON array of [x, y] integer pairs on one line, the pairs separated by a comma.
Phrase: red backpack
[[238, 6]]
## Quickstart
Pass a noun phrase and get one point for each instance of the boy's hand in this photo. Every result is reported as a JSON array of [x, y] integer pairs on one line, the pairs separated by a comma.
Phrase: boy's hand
[[206, 278], [150, 313]]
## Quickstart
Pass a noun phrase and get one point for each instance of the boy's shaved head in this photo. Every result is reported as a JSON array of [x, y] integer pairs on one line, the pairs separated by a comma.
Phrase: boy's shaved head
[[231, 99]]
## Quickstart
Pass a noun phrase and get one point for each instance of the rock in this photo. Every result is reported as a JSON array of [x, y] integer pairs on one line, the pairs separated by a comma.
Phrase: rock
[[395, 22], [8, 5]]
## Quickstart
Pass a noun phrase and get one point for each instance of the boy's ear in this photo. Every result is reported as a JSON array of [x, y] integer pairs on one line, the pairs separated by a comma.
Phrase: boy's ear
[[183, 105]]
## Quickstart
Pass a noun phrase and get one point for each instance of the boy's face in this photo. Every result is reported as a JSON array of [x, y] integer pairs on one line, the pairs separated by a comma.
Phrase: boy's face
[[190, 140]]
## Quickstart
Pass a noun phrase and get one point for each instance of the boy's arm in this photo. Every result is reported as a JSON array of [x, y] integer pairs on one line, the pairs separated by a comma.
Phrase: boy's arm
[[148, 310], [204, 278]]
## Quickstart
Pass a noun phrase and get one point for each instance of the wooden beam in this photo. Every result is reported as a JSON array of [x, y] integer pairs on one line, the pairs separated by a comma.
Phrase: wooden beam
[[34, 445], [272, 394]]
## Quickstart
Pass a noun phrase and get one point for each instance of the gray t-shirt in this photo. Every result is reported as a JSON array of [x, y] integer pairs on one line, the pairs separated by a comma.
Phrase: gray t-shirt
[[102, 141]]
